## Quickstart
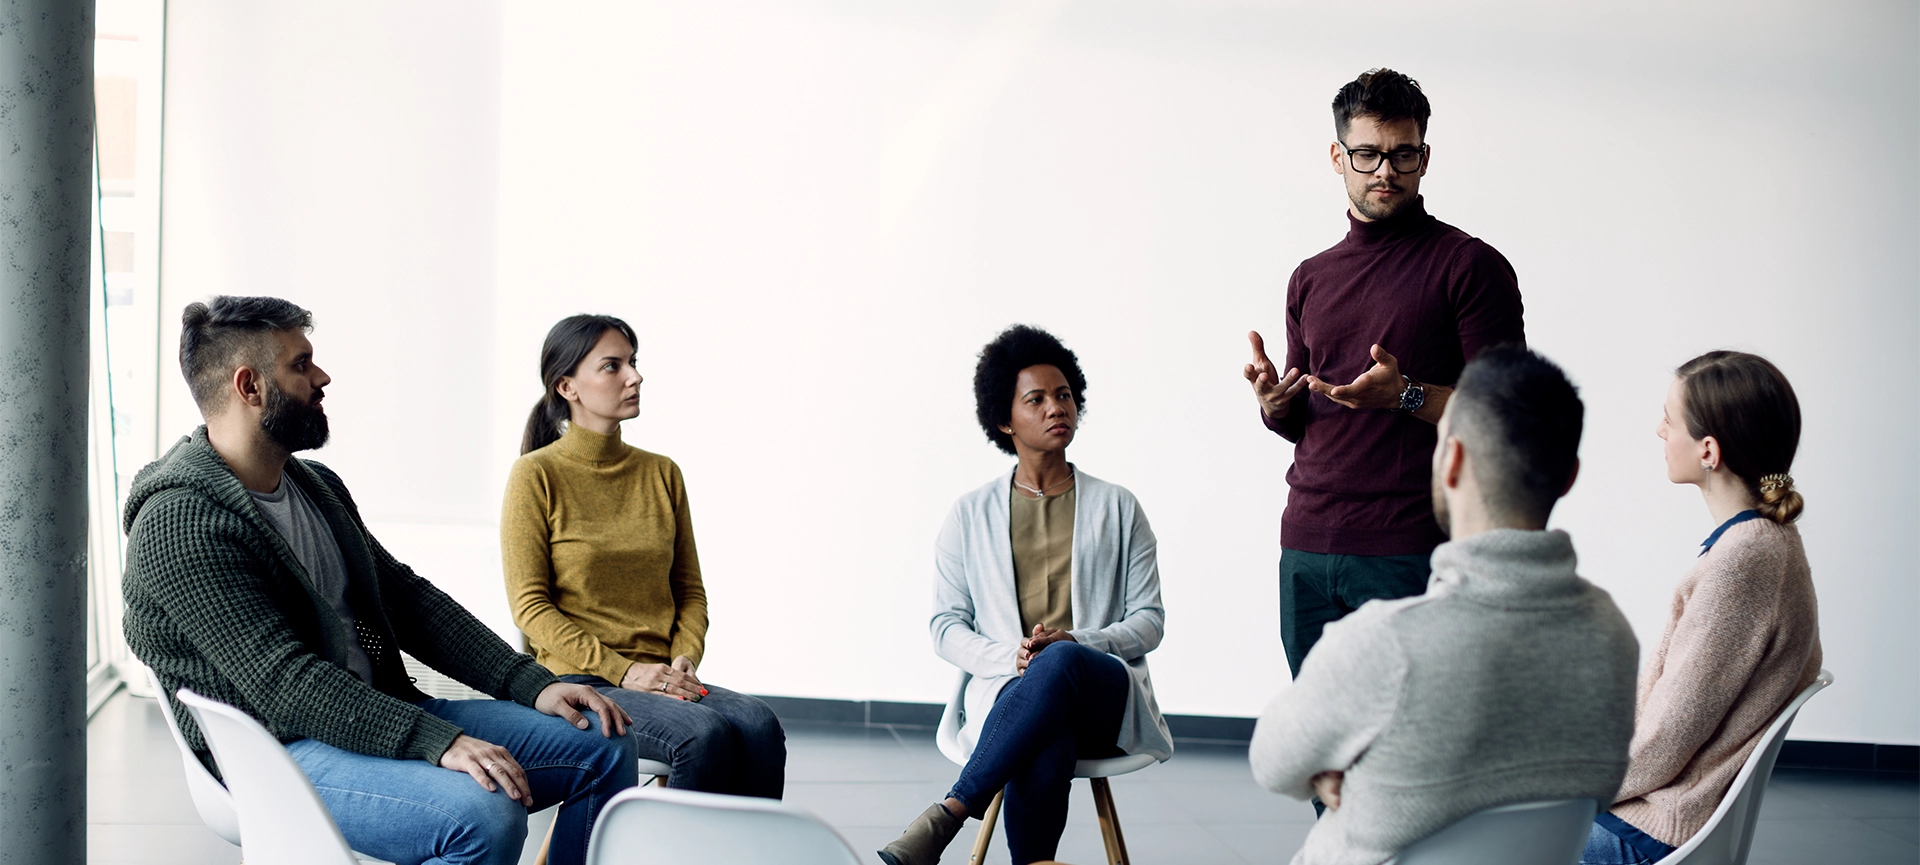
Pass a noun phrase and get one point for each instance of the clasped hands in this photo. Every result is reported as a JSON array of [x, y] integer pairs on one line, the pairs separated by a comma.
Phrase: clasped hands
[[1043, 637], [1379, 387], [673, 680], [489, 764]]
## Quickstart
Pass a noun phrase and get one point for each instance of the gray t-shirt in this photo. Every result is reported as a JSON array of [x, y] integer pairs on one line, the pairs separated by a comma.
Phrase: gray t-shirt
[[306, 532]]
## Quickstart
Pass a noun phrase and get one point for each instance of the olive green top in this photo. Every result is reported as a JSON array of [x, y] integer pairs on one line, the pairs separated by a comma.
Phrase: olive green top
[[1043, 559], [601, 570]]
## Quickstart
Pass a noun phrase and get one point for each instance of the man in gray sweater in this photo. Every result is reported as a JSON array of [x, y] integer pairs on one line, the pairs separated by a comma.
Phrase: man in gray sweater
[[1510, 680]]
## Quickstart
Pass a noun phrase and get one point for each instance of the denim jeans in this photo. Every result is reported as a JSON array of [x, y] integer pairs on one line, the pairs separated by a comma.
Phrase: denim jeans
[[411, 811], [1320, 588], [1066, 708], [1627, 846], [728, 742]]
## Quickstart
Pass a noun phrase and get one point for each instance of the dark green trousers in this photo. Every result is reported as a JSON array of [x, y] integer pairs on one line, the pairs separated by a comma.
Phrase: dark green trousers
[[1318, 588]]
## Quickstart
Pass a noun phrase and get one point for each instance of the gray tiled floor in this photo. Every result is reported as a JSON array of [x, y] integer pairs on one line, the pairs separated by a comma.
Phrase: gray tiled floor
[[1202, 807]]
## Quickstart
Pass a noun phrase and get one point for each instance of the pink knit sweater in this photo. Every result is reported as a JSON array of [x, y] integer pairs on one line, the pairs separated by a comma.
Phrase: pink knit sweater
[[1742, 641]]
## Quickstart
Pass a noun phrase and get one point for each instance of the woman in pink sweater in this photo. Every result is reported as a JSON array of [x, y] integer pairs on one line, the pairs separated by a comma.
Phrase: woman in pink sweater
[[1744, 634]]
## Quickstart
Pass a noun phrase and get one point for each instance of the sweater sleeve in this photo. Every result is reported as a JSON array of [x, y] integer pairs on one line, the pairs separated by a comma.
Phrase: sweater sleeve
[[526, 557], [1345, 696], [689, 593], [1718, 639], [198, 568], [1486, 300], [955, 638], [1144, 619], [1298, 357], [433, 627]]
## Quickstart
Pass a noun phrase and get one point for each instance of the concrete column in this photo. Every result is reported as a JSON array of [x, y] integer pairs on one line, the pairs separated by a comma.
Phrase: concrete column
[[46, 171]]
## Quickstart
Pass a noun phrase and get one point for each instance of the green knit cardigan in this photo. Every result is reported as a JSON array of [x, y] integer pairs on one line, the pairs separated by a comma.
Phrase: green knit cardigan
[[216, 602]]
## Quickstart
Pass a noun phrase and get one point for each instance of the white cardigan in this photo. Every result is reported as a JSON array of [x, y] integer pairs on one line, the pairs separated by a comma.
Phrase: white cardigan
[[1116, 600]]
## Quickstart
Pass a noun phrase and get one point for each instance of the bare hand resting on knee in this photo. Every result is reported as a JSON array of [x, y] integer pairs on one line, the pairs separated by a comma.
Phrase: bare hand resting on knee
[[487, 763], [1043, 637], [675, 680]]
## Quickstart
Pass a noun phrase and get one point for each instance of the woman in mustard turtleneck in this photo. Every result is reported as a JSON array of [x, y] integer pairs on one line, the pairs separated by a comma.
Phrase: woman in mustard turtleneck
[[602, 574]]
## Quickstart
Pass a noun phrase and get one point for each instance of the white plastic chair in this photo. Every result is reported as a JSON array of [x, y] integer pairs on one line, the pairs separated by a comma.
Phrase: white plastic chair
[[655, 824], [210, 798], [1529, 833], [213, 801], [1097, 771], [281, 817], [1728, 835]]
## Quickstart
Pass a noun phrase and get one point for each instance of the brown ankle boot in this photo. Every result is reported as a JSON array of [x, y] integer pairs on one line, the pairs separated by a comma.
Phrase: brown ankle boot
[[924, 839]]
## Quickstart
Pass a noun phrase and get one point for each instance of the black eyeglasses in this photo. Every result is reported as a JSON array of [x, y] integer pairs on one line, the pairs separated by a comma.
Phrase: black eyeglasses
[[1367, 160]]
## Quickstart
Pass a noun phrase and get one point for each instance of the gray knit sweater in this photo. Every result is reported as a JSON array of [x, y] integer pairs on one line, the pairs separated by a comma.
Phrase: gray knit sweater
[[1510, 680], [217, 602]]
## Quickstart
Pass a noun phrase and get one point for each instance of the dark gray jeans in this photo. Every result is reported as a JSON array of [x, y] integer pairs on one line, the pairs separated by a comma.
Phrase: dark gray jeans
[[1318, 588], [728, 742]]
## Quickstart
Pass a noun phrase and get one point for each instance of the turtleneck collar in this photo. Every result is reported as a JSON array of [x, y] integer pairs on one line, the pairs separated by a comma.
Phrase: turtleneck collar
[[1412, 220], [1508, 567], [585, 444]]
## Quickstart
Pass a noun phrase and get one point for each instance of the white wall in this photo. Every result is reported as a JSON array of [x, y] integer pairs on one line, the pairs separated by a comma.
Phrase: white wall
[[814, 214]]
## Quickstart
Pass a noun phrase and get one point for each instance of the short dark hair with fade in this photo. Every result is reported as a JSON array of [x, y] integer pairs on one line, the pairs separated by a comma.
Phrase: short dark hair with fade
[[1521, 419], [1385, 96], [229, 332], [998, 373]]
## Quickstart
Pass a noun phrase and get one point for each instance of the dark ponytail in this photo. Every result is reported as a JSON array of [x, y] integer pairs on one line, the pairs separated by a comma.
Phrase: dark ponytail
[[568, 343], [1747, 405]]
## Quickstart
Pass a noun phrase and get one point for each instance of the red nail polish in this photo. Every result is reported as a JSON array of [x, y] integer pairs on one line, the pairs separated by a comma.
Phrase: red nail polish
[[703, 692]]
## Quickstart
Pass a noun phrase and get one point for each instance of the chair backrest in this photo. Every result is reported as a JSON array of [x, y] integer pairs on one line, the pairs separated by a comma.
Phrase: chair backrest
[[281, 817], [1530, 833], [658, 824], [1728, 835], [213, 801], [947, 735]]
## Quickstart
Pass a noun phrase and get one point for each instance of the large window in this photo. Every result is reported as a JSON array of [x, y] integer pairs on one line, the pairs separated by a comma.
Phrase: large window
[[128, 52]]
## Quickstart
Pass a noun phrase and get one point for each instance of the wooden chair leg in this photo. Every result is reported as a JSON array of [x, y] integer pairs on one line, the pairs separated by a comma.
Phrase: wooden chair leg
[[985, 838], [546, 843], [1109, 823]]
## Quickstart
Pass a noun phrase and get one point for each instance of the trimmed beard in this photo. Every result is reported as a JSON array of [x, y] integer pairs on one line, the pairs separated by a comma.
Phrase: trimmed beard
[[293, 424], [1440, 513]]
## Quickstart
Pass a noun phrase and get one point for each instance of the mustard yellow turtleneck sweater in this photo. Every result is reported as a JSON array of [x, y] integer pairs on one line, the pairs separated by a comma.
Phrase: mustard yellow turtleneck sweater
[[598, 550]]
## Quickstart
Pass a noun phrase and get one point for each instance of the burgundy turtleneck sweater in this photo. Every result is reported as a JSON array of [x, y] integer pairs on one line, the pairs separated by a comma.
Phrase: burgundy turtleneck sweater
[[1433, 297]]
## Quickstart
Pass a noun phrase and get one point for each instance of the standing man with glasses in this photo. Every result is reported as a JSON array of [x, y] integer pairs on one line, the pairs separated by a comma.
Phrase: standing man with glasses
[[1378, 329]]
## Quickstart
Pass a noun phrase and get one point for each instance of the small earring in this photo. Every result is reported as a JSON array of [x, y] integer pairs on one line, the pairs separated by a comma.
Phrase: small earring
[[1707, 466]]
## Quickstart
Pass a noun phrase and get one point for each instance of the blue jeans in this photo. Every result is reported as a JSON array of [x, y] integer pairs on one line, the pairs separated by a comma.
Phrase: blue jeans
[[1613, 841], [412, 812], [1067, 707], [728, 742]]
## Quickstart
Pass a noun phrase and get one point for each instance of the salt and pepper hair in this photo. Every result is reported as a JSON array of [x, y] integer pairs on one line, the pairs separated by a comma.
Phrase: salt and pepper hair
[[1748, 406], [1521, 419], [567, 344], [227, 333], [998, 373], [1385, 96]]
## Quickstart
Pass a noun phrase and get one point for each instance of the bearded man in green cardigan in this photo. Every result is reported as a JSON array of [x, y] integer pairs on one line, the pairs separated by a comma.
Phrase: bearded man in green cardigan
[[251, 579]]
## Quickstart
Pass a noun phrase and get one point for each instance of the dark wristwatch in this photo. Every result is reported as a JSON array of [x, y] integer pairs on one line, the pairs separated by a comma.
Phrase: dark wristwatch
[[1413, 397]]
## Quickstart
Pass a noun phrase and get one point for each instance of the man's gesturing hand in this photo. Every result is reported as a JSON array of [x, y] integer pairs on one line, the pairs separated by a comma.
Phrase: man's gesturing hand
[[487, 763], [1043, 636], [1274, 391], [564, 700], [1378, 387], [1326, 785]]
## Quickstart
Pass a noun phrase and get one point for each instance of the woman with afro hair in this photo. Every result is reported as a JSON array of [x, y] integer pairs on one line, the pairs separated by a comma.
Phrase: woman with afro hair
[[1047, 597]]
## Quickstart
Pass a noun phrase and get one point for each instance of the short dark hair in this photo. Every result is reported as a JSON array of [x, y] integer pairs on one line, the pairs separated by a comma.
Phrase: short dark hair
[[1385, 96], [229, 332], [998, 373], [1746, 404], [1521, 419]]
